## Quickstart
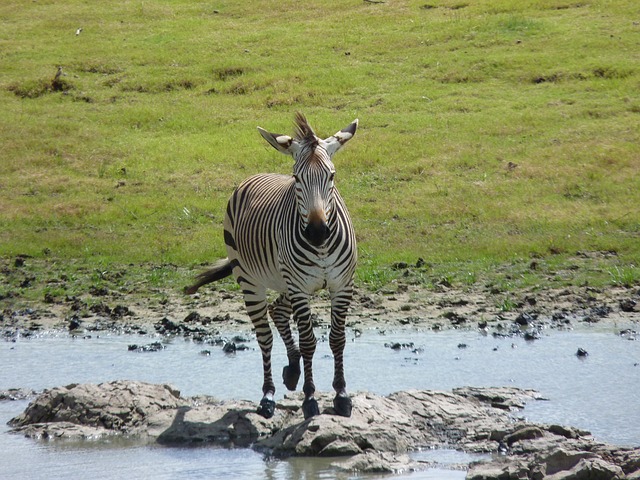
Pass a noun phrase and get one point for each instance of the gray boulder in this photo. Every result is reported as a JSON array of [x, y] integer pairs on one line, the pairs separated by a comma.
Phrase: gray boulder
[[93, 411]]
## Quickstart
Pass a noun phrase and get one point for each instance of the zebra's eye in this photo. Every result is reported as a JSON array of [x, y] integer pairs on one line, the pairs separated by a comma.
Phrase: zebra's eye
[[332, 176]]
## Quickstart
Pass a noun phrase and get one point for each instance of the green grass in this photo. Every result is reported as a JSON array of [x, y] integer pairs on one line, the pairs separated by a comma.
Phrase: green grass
[[491, 132]]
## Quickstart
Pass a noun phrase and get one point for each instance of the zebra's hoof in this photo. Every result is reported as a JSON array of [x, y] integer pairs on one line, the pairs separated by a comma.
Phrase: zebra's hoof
[[290, 376], [310, 408], [267, 408], [342, 405]]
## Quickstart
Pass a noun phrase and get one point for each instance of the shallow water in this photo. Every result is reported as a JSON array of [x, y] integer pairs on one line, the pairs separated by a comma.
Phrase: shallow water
[[598, 393]]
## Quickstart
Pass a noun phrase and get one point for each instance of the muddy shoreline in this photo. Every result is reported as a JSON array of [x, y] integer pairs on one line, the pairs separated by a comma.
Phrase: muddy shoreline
[[53, 294], [212, 311]]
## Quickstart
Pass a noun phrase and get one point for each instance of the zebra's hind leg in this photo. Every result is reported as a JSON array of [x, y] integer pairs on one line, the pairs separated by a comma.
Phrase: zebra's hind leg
[[340, 302], [256, 303], [280, 312], [302, 314]]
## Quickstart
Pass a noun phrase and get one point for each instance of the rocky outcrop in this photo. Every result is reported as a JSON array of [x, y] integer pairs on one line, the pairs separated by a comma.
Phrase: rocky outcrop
[[94, 411], [378, 437], [554, 459]]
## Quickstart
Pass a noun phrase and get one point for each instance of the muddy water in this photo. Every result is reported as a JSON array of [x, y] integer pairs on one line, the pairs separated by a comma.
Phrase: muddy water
[[598, 392]]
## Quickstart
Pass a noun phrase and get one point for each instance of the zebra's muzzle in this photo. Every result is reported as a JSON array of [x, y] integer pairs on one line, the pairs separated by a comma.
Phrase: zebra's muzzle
[[317, 233]]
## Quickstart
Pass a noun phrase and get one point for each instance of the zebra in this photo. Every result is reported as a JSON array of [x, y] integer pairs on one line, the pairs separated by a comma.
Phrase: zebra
[[293, 234]]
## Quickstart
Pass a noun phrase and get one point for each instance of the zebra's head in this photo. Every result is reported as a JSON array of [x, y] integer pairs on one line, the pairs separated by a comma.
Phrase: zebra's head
[[313, 172]]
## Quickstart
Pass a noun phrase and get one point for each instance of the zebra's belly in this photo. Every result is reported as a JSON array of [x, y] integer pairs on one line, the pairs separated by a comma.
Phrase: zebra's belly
[[307, 279], [275, 281], [268, 277]]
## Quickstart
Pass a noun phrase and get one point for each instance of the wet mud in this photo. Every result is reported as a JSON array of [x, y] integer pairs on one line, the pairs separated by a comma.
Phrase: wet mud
[[114, 303]]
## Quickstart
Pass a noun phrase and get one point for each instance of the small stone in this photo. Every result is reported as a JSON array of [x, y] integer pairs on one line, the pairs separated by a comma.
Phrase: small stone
[[74, 323], [524, 319], [230, 347], [627, 305], [192, 317]]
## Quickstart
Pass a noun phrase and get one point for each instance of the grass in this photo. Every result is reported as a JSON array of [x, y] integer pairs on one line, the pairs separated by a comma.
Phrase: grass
[[491, 132]]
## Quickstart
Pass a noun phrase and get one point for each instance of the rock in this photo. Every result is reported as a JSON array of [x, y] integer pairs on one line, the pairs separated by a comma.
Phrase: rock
[[505, 398], [524, 319], [74, 323], [556, 465], [14, 394], [627, 305], [377, 438], [589, 469], [562, 460], [151, 347], [330, 435], [399, 345], [229, 347], [525, 433], [628, 333], [601, 310], [91, 411], [167, 327], [531, 336], [567, 432], [208, 421], [192, 317], [500, 469], [455, 318], [120, 311]]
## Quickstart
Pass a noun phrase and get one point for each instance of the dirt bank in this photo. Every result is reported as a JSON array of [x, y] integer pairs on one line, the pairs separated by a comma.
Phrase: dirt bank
[[409, 306], [37, 295]]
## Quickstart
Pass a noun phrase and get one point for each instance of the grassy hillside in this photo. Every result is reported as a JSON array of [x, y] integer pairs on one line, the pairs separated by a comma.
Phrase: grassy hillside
[[490, 132]]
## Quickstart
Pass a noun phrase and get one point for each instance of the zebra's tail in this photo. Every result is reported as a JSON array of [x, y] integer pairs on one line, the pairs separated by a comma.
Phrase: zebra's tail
[[220, 270]]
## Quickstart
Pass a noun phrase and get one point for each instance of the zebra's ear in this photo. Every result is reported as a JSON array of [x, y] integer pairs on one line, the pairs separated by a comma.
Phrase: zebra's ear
[[282, 143], [337, 140]]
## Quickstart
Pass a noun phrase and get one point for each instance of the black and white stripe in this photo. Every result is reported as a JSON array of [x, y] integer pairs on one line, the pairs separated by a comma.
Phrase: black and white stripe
[[293, 234]]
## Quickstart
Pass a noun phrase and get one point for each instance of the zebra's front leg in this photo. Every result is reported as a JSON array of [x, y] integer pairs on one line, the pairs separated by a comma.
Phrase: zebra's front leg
[[307, 340], [340, 302], [280, 312], [257, 309]]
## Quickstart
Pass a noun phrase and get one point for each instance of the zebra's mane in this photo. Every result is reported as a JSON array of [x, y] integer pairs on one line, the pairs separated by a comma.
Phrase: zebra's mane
[[304, 132]]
